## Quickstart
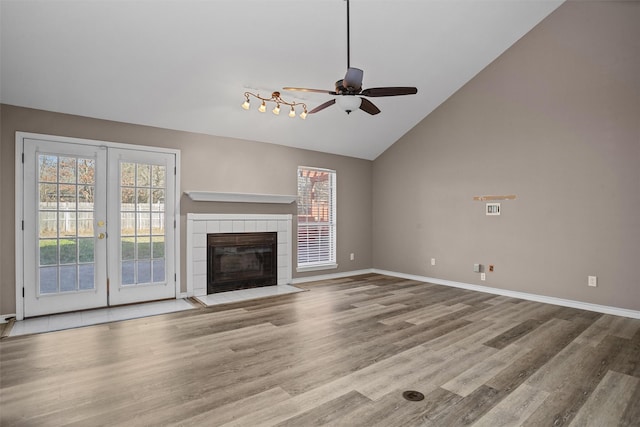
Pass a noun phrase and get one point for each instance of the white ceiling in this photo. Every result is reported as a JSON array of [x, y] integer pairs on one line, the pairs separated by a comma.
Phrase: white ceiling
[[185, 64]]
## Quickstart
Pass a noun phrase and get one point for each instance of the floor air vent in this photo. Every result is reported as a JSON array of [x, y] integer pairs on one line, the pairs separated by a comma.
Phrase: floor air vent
[[413, 396]]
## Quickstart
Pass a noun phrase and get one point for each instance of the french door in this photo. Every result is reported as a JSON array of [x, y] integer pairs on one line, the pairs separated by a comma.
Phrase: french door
[[98, 226]]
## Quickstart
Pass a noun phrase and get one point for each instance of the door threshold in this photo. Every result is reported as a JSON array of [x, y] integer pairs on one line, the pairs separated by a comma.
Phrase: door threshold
[[77, 319]]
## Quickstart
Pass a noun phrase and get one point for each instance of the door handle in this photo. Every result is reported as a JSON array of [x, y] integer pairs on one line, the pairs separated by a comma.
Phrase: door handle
[[102, 236]]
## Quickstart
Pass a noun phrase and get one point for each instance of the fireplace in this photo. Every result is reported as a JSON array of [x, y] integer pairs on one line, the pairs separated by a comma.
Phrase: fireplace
[[241, 261], [199, 225]]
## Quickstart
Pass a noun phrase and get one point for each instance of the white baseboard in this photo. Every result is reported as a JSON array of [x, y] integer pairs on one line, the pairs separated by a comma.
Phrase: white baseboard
[[4, 318], [331, 276], [634, 314]]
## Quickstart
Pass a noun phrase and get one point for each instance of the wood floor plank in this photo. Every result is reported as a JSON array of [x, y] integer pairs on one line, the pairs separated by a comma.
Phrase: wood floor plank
[[328, 412], [514, 409], [340, 354], [474, 377], [608, 401]]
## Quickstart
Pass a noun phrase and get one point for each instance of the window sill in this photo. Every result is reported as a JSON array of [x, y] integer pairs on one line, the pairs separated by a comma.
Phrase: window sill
[[331, 266]]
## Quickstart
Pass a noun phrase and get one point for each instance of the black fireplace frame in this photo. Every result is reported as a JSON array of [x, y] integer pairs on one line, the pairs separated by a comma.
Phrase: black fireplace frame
[[241, 241]]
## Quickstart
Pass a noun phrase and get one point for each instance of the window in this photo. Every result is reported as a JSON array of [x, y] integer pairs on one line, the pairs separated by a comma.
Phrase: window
[[316, 219]]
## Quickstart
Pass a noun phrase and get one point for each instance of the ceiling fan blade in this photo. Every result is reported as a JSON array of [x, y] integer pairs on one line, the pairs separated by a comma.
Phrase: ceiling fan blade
[[389, 91], [367, 106], [353, 79], [323, 106], [304, 89]]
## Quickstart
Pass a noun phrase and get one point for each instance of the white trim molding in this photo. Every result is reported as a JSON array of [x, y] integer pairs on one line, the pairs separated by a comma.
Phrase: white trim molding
[[616, 311], [5, 318], [634, 314], [331, 276], [217, 196]]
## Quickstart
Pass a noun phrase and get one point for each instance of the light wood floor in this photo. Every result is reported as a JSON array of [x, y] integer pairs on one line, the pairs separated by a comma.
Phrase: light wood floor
[[339, 355]]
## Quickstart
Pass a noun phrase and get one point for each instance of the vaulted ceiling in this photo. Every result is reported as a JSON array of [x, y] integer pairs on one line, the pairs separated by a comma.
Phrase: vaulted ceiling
[[185, 64]]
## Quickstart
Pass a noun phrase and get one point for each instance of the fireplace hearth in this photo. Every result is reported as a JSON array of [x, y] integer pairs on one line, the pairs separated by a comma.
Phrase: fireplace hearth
[[241, 261]]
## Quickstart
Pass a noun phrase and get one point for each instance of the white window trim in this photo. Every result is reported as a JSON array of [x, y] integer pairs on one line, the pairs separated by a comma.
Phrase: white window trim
[[329, 265]]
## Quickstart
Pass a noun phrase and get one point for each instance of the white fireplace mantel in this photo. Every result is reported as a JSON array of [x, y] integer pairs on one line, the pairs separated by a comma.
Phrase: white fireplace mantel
[[217, 196], [199, 225]]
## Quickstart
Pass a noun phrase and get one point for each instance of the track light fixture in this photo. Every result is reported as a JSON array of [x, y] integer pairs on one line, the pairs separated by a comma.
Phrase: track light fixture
[[275, 98]]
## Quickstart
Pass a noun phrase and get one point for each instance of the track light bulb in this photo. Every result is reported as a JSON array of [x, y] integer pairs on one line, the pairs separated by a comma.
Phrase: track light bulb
[[292, 113], [263, 107], [246, 104], [276, 110], [303, 115]]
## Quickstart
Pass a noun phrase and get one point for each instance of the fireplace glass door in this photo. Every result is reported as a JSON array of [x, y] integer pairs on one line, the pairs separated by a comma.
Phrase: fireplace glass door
[[241, 261]]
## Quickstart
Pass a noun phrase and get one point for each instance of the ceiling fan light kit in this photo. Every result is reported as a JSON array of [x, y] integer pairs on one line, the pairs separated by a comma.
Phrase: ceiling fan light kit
[[350, 88], [275, 98], [349, 103]]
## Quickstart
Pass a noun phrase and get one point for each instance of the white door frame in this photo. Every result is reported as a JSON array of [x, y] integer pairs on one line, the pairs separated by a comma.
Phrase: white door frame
[[19, 202]]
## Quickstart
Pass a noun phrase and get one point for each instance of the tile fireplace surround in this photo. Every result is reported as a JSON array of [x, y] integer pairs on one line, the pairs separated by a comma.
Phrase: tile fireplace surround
[[198, 225]]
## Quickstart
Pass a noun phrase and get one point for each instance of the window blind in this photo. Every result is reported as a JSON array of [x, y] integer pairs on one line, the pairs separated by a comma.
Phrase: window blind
[[316, 217]]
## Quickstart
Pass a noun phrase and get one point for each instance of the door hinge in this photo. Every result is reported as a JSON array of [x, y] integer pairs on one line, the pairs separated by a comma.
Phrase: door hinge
[[23, 292], [174, 223], [22, 225], [175, 277], [175, 170], [22, 157]]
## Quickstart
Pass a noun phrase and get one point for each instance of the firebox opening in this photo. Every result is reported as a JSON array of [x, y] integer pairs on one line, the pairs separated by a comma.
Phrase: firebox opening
[[241, 261]]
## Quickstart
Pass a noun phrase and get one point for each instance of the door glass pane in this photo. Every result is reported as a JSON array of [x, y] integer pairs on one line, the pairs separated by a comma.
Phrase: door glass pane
[[142, 223], [67, 170], [127, 174], [48, 280], [128, 250], [158, 270], [47, 168], [68, 251], [68, 278], [48, 252], [144, 271], [86, 250], [86, 171], [158, 247], [86, 276], [66, 214], [127, 224], [144, 247], [85, 224], [128, 277], [48, 196], [48, 224], [127, 199], [85, 195], [67, 224]]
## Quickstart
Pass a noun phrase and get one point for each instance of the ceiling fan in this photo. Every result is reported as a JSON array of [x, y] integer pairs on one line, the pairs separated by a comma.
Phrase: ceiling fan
[[350, 88]]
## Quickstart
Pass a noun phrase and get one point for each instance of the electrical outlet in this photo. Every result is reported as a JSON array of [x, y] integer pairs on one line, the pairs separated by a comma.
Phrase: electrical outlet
[[433, 261], [592, 281], [483, 276], [352, 256], [490, 267]]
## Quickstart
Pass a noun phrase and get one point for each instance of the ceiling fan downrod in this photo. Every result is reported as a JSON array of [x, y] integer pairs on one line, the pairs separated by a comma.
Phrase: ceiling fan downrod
[[348, 39]]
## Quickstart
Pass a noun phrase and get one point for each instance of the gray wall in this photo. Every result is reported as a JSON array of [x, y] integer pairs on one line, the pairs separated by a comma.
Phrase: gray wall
[[208, 163], [556, 121]]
